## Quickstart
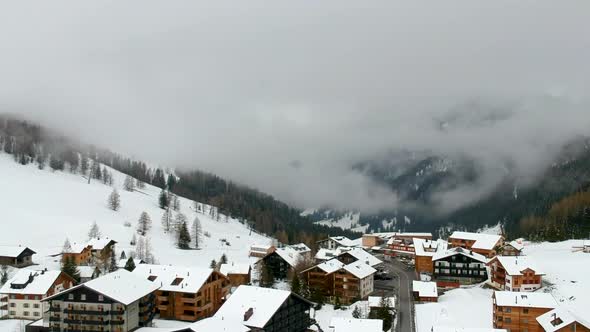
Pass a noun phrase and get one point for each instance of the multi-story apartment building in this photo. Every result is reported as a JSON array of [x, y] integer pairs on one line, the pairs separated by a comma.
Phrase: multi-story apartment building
[[515, 273], [265, 309], [21, 296], [484, 244], [424, 251], [184, 293], [16, 256], [518, 312], [116, 302], [460, 265]]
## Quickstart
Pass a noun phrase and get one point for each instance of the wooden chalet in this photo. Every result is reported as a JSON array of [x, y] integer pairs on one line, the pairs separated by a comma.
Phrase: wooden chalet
[[561, 319], [101, 247], [460, 265], [483, 244], [266, 309], [16, 256], [515, 273], [186, 294], [516, 311], [425, 291], [281, 262], [81, 254], [238, 274], [513, 248]]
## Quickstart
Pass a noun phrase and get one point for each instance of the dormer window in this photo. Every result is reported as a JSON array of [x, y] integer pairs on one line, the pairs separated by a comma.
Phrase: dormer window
[[152, 278], [176, 281]]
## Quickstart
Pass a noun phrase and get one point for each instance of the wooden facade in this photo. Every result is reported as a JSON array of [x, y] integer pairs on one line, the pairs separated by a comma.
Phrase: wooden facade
[[517, 319], [292, 316], [527, 280], [194, 306], [424, 264], [82, 257], [276, 265], [23, 259], [236, 279]]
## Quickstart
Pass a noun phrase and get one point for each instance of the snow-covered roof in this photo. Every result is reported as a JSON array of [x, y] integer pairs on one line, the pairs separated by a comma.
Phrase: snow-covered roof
[[86, 271], [428, 247], [425, 288], [375, 301], [121, 286], [264, 302], [12, 251], [331, 266], [360, 269], [76, 248], [460, 251], [518, 245], [218, 324], [325, 254], [514, 265], [559, 318], [291, 256], [40, 284], [341, 324], [99, 243], [174, 278], [346, 242], [482, 241], [526, 300], [300, 247], [362, 255], [260, 247], [233, 268]]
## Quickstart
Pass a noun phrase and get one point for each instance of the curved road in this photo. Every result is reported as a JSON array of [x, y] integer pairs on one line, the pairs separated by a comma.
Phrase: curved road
[[405, 277]]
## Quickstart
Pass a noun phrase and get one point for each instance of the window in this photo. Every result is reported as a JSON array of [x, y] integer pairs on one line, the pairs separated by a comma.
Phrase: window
[[12, 305], [12, 296], [26, 297], [70, 296], [25, 305], [36, 305], [36, 314], [525, 311], [101, 298], [26, 313], [508, 309], [13, 313], [83, 297], [508, 320]]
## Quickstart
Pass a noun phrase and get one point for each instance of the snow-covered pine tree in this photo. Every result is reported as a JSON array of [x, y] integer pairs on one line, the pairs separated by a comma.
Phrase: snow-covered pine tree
[[144, 223], [179, 220], [197, 232], [163, 199], [129, 183], [167, 220], [130, 265], [94, 232], [184, 238], [113, 263], [114, 200]]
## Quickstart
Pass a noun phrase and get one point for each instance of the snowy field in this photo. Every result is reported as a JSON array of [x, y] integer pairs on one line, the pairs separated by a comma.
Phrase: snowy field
[[13, 325], [566, 278], [40, 208]]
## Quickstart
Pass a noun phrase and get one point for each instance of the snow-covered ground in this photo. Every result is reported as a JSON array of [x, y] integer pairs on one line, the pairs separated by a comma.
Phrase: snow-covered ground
[[40, 208], [13, 325], [566, 278], [350, 220]]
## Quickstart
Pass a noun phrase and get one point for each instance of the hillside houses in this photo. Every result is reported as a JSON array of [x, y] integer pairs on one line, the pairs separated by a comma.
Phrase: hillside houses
[[184, 293], [515, 273], [16, 256], [21, 296]]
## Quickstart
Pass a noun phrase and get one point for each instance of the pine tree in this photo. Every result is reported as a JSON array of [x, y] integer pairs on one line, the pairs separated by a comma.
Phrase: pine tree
[[296, 284], [70, 268], [114, 200], [213, 264], [130, 265], [144, 224], [129, 183], [223, 259], [356, 313], [84, 164], [163, 199], [383, 312], [179, 220], [197, 232], [94, 232], [67, 246], [167, 220], [133, 240], [3, 275], [184, 238], [175, 203], [123, 255], [140, 184], [140, 249], [113, 263]]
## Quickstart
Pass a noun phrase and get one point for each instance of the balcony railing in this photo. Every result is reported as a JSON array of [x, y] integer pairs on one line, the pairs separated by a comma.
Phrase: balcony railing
[[55, 309], [87, 312]]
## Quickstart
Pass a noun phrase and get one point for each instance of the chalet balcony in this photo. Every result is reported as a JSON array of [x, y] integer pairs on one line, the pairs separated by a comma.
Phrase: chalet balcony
[[55, 319], [162, 307], [55, 309], [117, 322], [117, 312], [162, 298], [87, 312], [189, 300]]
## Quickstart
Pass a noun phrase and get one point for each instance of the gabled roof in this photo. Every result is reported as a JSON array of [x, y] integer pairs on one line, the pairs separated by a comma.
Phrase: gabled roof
[[482, 241], [121, 286], [326, 254], [462, 252], [264, 302], [341, 324], [360, 269], [329, 266], [515, 265], [217, 324], [290, 255], [425, 288], [233, 268], [516, 245], [100, 243], [428, 247], [361, 255], [174, 278], [37, 282], [559, 318], [87, 271], [525, 300], [15, 251], [77, 248], [344, 241], [300, 247]]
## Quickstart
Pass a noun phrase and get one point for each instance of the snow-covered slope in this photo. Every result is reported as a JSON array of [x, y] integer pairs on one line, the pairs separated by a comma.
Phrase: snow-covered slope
[[40, 208]]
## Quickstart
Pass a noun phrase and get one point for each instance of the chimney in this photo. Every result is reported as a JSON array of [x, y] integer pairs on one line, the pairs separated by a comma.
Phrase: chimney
[[248, 314]]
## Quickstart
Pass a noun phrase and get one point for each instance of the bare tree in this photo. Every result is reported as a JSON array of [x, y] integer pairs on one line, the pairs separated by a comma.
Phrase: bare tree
[[67, 246], [114, 200], [179, 220], [197, 232], [144, 224], [129, 183], [167, 220], [94, 232]]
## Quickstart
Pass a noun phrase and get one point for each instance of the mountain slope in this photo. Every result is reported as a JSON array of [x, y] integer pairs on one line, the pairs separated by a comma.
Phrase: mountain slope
[[40, 208]]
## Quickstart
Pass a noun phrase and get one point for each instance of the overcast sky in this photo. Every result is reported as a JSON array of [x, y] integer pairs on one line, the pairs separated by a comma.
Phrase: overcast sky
[[286, 95]]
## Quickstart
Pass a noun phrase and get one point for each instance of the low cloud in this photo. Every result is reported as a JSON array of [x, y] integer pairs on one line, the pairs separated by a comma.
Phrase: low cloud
[[287, 97]]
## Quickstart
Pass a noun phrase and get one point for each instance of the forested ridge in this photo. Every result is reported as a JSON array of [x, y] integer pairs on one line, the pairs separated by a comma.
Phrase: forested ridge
[[31, 143]]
